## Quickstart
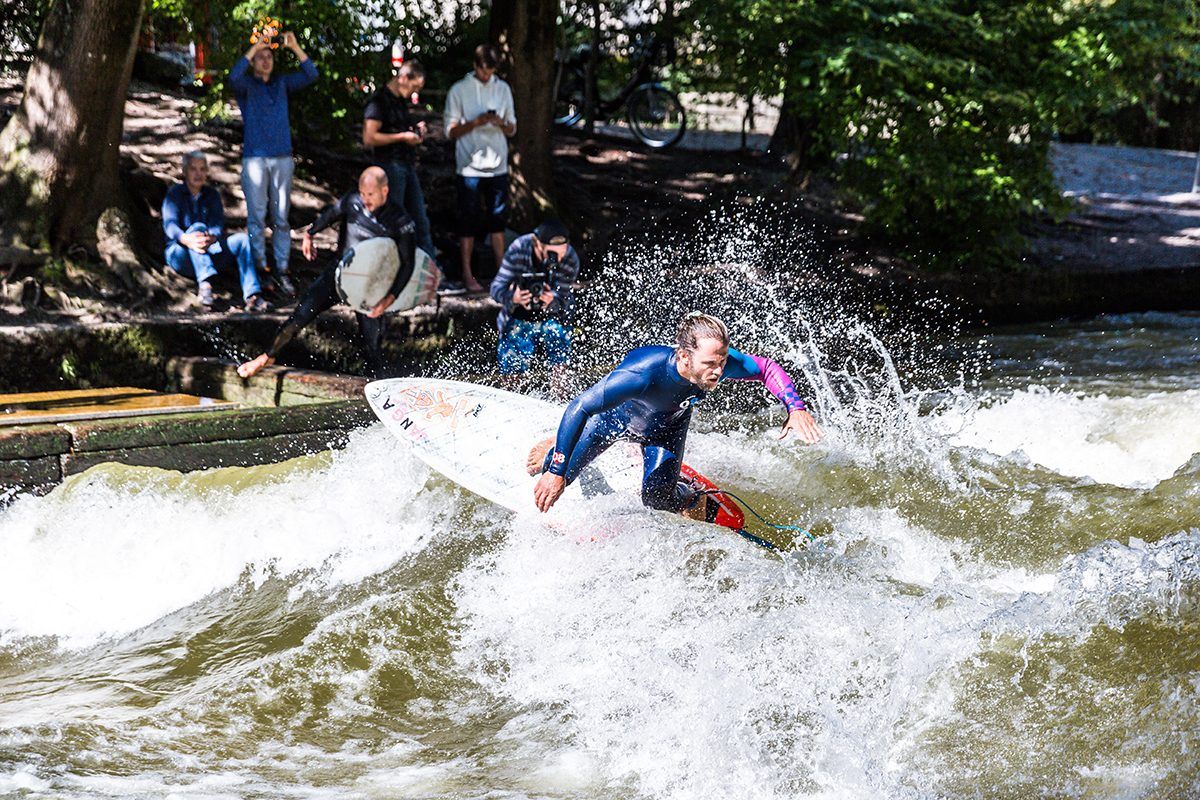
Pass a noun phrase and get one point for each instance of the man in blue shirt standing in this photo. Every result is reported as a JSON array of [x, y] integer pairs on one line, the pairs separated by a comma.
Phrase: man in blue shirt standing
[[197, 246], [267, 147]]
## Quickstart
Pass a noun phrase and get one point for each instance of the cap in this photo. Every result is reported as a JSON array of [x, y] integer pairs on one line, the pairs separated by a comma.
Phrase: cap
[[552, 231]]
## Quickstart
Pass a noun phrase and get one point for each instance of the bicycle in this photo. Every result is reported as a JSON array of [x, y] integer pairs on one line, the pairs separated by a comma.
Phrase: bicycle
[[655, 115]]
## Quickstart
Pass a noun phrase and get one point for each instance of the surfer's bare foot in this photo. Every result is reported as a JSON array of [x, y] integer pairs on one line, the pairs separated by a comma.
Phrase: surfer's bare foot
[[251, 368], [698, 510], [537, 456]]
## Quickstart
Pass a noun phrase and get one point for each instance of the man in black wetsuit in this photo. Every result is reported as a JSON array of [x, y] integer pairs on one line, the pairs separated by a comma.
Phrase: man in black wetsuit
[[363, 215]]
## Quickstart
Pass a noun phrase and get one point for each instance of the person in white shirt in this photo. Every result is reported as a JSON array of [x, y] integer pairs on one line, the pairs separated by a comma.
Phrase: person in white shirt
[[480, 120]]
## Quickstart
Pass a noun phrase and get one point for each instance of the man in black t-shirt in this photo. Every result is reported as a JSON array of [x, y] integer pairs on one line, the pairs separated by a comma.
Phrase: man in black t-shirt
[[392, 136]]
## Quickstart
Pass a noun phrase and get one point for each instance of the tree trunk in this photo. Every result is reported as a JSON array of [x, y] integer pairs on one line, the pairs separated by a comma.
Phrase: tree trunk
[[793, 138], [590, 82], [524, 31], [59, 152]]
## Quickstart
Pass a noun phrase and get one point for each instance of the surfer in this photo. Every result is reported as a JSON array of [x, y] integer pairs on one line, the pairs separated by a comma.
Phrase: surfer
[[648, 399], [364, 214]]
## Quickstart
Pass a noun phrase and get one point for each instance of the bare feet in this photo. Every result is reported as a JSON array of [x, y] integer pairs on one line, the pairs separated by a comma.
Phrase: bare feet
[[537, 456], [251, 368]]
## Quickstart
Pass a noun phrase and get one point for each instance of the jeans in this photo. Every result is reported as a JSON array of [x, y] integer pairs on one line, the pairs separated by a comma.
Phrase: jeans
[[521, 338], [227, 254], [267, 184], [404, 188]]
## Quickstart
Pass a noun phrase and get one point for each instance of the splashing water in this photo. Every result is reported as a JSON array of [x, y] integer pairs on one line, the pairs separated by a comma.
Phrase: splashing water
[[1004, 599]]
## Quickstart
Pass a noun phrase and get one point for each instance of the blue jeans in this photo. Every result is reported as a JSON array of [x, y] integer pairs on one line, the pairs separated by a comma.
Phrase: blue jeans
[[521, 338], [227, 254], [267, 184], [404, 188]]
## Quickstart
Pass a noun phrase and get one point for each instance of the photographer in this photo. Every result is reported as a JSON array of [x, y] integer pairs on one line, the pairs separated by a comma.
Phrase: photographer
[[534, 289]]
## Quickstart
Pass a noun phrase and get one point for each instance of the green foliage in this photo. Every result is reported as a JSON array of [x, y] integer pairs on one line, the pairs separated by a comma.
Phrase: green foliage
[[348, 40], [20, 25], [939, 113]]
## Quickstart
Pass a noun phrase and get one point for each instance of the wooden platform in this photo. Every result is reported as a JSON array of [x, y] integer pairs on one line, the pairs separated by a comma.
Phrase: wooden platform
[[87, 404]]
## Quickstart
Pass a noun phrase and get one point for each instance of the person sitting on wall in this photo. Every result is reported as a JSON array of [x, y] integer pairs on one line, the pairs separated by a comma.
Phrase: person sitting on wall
[[193, 220]]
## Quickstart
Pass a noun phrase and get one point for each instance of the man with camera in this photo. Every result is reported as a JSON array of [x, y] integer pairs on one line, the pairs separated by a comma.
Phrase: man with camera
[[267, 164], [533, 288]]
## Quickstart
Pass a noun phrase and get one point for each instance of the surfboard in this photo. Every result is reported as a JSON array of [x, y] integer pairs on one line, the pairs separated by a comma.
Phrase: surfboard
[[480, 436], [367, 270]]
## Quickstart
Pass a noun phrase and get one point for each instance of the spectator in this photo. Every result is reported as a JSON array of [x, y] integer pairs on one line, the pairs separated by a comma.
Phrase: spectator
[[392, 137], [533, 288], [267, 147], [197, 245], [479, 120], [363, 215]]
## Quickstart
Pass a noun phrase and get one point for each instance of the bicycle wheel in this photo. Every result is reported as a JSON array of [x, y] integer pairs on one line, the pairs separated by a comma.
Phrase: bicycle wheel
[[656, 117], [568, 105]]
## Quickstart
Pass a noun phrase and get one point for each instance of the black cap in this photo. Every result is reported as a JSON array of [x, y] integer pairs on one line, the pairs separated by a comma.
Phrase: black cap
[[552, 231]]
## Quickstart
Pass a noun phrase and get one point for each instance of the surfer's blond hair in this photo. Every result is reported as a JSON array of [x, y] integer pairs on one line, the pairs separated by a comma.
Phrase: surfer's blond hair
[[697, 325]]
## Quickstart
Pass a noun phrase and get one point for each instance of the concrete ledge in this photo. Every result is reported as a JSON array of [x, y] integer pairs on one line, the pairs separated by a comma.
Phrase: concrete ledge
[[33, 441], [27, 472], [273, 386], [214, 426], [208, 455]]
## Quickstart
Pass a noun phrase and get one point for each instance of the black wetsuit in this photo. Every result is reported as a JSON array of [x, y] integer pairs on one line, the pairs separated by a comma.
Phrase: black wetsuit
[[358, 225]]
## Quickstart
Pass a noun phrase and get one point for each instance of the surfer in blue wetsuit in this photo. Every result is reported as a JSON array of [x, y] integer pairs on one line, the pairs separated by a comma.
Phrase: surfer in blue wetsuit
[[648, 399]]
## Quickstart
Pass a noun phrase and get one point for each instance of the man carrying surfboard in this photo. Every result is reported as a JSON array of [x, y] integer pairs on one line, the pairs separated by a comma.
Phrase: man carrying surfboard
[[365, 214], [648, 399]]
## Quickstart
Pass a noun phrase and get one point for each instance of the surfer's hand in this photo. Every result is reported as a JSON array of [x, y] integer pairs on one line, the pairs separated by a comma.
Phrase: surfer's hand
[[307, 247], [804, 425], [522, 297], [382, 306], [549, 488]]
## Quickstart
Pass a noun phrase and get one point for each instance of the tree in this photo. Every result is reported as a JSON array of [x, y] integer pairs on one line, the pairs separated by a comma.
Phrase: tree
[[524, 30], [59, 152]]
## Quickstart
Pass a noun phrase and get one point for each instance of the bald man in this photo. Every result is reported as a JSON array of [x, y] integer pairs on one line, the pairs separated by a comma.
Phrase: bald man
[[363, 215]]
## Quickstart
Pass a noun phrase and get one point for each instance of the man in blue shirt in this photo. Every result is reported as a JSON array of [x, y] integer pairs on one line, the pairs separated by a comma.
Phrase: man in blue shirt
[[267, 147], [197, 245], [534, 290]]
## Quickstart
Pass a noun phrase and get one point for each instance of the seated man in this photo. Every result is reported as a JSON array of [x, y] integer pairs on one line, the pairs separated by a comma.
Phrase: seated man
[[533, 287], [648, 399], [363, 215], [194, 222]]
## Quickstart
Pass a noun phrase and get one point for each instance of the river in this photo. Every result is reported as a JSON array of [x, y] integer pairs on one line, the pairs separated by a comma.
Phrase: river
[[1003, 600]]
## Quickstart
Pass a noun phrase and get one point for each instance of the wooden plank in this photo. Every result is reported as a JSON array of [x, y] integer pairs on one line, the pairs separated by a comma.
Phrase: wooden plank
[[208, 455], [22, 409], [186, 429]]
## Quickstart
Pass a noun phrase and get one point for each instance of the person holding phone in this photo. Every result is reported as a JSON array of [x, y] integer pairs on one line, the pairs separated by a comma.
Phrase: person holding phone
[[480, 120]]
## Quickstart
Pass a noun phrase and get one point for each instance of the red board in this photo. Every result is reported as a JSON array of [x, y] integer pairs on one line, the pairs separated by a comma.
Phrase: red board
[[728, 513]]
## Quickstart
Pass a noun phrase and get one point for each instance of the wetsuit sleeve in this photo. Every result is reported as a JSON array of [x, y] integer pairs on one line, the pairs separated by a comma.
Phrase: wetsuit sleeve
[[239, 75], [334, 212], [171, 217], [745, 367], [305, 77], [612, 390], [406, 246]]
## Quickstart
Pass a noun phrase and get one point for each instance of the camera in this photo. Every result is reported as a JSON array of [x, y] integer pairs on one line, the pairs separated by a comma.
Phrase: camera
[[534, 281]]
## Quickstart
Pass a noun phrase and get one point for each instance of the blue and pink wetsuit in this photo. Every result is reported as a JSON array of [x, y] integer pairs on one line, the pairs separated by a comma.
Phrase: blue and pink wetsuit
[[647, 401]]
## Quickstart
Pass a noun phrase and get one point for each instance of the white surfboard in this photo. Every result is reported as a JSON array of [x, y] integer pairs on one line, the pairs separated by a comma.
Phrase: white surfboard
[[480, 436], [367, 271]]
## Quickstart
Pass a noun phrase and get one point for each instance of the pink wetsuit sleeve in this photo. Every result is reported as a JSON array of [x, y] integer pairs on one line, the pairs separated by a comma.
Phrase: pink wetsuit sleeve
[[778, 383]]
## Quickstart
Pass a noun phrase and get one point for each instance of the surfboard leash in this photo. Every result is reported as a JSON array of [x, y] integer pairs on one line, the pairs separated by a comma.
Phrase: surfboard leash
[[761, 518]]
